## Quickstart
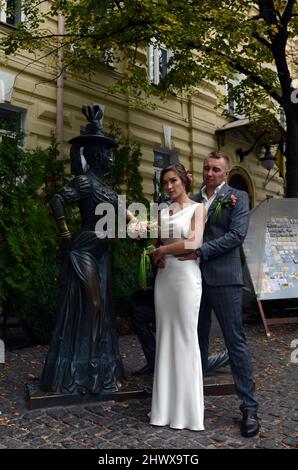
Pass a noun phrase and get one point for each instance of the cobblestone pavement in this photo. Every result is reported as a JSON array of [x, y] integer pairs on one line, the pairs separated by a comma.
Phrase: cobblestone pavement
[[112, 425]]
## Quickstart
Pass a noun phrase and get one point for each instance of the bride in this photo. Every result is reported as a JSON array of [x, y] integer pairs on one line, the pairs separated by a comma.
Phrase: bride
[[177, 395]]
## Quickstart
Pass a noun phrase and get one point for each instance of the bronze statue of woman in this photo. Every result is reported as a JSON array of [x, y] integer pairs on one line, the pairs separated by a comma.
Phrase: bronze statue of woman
[[84, 354]]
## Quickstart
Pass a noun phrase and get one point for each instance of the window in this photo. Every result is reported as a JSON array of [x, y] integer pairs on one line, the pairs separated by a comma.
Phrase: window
[[231, 102], [159, 57], [11, 12], [231, 105], [12, 120]]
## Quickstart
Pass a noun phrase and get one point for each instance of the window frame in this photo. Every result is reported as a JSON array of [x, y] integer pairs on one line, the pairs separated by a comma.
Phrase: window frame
[[154, 67], [230, 105], [18, 16], [22, 113]]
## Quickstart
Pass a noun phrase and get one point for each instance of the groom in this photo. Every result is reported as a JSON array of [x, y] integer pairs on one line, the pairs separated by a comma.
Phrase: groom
[[225, 231]]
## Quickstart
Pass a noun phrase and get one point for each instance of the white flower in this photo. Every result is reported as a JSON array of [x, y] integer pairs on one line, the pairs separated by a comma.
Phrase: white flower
[[140, 229]]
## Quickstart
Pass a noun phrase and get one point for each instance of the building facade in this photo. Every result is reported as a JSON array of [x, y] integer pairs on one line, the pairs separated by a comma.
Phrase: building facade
[[31, 93]]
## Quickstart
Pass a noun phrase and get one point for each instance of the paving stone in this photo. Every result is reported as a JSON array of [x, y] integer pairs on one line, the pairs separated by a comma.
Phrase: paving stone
[[291, 441], [270, 444], [219, 438], [107, 425], [57, 413], [34, 414], [108, 445]]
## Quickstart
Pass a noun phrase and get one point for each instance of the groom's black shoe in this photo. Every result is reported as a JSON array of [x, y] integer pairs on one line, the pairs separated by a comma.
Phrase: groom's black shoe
[[146, 370], [250, 425]]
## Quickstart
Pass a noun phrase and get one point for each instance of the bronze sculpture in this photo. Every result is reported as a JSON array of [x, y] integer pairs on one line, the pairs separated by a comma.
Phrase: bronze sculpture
[[84, 355]]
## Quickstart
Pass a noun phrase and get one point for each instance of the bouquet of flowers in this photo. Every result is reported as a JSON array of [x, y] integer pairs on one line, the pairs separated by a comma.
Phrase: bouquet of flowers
[[142, 229]]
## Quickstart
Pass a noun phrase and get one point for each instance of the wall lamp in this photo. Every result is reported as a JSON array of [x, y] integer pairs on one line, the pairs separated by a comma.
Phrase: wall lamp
[[268, 160], [243, 153]]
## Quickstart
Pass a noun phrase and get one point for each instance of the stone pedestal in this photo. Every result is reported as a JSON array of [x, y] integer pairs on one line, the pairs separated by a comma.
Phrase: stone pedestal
[[216, 383]]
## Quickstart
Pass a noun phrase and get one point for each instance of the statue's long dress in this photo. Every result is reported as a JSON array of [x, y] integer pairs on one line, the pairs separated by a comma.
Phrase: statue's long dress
[[84, 354]]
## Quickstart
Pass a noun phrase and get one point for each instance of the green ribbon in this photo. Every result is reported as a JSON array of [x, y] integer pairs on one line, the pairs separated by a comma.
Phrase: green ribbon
[[217, 210], [145, 269]]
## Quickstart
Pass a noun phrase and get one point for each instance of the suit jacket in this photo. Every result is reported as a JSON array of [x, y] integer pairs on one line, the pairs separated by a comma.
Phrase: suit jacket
[[223, 239]]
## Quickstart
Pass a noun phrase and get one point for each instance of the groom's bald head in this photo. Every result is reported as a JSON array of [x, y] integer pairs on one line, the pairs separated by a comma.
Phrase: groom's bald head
[[215, 169], [217, 155]]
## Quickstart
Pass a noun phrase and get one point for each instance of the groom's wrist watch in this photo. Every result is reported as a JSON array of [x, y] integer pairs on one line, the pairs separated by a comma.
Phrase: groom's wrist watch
[[198, 252]]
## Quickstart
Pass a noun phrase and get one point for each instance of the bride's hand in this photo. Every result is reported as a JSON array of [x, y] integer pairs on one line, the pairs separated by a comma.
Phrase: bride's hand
[[157, 255], [161, 263]]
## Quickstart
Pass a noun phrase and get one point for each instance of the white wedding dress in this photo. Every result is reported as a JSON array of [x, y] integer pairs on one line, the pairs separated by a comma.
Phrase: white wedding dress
[[177, 395]]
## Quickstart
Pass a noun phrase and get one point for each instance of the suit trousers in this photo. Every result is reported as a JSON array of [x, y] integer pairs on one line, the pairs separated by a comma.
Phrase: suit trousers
[[226, 302]]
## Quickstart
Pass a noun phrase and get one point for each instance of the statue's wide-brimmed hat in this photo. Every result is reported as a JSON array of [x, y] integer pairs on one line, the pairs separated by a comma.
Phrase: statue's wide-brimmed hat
[[93, 131]]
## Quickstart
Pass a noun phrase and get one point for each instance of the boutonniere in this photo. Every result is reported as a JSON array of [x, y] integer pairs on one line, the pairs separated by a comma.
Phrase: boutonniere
[[224, 202]]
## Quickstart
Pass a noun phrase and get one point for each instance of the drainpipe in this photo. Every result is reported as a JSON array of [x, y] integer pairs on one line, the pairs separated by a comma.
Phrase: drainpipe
[[60, 90], [191, 139]]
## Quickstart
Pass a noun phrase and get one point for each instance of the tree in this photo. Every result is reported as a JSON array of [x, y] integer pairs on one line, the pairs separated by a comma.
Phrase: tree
[[210, 39], [28, 239]]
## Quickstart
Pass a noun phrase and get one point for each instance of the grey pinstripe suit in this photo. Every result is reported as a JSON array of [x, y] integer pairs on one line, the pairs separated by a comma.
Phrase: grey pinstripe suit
[[222, 287]]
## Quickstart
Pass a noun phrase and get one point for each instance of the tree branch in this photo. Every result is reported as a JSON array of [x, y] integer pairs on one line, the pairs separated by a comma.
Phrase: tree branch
[[268, 11], [118, 4], [255, 78], [287, 14], [100, 36], [258, 81], [34, 61], [263, 41], [270, 14]]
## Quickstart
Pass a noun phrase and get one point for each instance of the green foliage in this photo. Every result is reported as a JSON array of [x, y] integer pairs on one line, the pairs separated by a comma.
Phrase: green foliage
[[125, 178], [126, 255], [38, 313], [28, 247], [125, 174], [210, 41], [28, 234]]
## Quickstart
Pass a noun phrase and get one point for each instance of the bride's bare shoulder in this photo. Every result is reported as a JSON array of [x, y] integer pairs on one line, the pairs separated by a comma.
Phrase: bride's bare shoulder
[[197, 204]]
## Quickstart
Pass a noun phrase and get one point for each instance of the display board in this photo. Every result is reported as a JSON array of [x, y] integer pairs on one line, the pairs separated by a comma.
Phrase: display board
[[280, 263], [271, 249], [271, 252]]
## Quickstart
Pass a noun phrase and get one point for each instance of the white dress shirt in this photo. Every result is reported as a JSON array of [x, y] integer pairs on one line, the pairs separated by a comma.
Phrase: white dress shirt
[[207, 202]]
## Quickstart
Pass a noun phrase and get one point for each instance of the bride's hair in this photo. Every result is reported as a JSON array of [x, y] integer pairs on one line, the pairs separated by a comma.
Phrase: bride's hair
[[181, 172]]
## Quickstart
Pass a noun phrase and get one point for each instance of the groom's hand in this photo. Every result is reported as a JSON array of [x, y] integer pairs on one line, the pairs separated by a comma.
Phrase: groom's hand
[[188, 256]]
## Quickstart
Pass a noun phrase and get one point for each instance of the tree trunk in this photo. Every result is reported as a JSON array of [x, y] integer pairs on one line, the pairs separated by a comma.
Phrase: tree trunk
[[292, 152]]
